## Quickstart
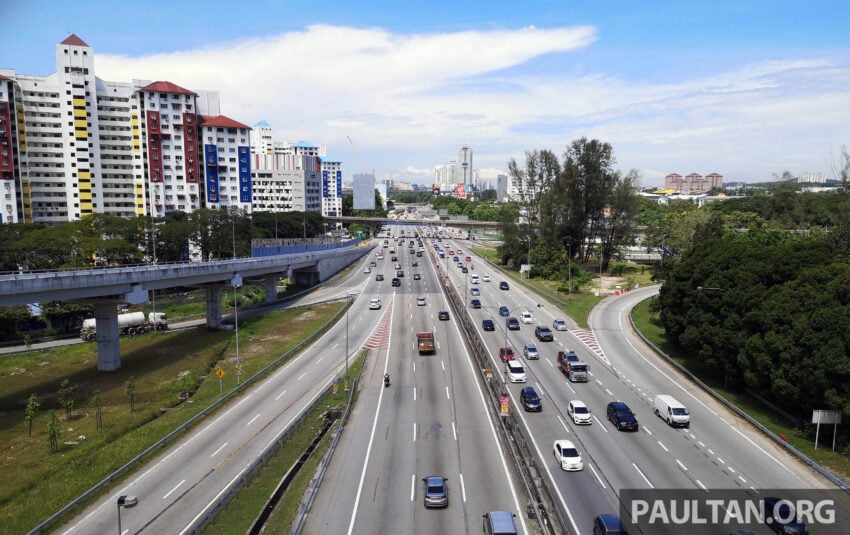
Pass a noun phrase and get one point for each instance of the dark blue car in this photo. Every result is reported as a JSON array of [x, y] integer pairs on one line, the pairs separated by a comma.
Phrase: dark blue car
[[488, 325], [503, 311]]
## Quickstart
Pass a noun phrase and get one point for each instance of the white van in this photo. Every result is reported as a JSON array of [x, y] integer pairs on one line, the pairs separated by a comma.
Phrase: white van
[[671, 411]]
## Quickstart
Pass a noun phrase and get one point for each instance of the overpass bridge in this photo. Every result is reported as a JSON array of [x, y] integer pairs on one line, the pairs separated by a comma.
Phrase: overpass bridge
[[108, 287], [469, 224]]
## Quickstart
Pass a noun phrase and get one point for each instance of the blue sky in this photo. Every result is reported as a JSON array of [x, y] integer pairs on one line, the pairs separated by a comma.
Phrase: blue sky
[[744, 88]]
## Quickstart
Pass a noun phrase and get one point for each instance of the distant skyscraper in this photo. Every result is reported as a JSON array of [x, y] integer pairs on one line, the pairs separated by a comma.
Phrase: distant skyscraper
[[364, 191], [464, 163]]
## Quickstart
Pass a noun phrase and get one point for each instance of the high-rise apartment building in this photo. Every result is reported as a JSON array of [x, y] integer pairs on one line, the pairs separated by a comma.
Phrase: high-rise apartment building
[[72, 144], [693, 184], [331, 187]]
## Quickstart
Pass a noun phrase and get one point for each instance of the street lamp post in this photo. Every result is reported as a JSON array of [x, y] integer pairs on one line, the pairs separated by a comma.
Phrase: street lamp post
[[127, 502], [569, 273], [236, 282], [347, 296]]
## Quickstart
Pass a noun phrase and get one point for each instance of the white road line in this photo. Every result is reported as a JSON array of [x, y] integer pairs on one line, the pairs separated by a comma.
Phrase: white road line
[[280, 395], [414, 432], [570, 387], [563, 423], [648, 482], [412, 486], [443, 365], [549, 361], [252, 419], [334, 346], [700, 484], [645, 428], [224, 489], [700, 443], [414, 394], [462, 488], [731, 469], [447, 393], [742, 479], [663, 447], [600, 423], [682, 466], [609, 392], [595, 473], [454, 430], [710, 452], [721, 460], [172, 490], [218, 450], [301, 376], [320, 359]]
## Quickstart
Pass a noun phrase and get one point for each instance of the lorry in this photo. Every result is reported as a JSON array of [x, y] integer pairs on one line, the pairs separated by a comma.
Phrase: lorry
[[129, 323], [573, 367], [425, 342]]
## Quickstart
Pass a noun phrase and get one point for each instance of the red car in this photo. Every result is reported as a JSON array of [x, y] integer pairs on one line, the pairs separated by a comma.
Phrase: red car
[[506, 354], [469, 259]]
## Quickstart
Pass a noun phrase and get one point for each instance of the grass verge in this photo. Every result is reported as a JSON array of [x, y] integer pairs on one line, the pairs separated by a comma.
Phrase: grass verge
[[165, 369], [647, 323], [241, 511]]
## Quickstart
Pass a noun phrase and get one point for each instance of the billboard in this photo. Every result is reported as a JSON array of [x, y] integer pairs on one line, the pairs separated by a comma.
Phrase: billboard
[[364, 191]]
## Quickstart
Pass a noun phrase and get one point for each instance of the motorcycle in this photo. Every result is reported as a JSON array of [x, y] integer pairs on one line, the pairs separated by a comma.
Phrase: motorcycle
[[386, 380]]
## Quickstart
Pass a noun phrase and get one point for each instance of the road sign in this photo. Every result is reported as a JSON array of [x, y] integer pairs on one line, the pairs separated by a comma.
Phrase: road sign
[[505, 406], [219, 372]]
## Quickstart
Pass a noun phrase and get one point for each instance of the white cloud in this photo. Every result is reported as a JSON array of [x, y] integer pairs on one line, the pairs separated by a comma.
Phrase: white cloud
[[410, 100]]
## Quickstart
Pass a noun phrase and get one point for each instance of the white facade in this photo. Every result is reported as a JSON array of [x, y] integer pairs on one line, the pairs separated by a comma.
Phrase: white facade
[[364, 191], [331, 187]]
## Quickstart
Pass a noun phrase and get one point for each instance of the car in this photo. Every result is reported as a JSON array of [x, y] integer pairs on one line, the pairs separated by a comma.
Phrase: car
[[399, 273], [579, 412], [485, 278], [414, 264], [379, 257], [420, 301], [527, 317], [396, 281], [417, 277], [373, 263], [543, 333], [622, 416], [379, 277], [530, 352], [530, 400], [374, 304], [506, 354], [504, 285], [474, 279], [443, 315], [488, 325], [452, 252], [559, 325], [567, 455], [367, 270], [464, 270], [397, 266], [435, 491], [515, 371], [468, 259], [394, 258], [454, 258], [474, 291], [512, 323], [475, 303], [608, 524], [780, 516], [503, 311], [461, 265]]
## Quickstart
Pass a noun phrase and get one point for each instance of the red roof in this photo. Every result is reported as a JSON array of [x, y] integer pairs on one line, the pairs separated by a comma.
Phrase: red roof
[[167, 87], [73, 40], [221, 120]]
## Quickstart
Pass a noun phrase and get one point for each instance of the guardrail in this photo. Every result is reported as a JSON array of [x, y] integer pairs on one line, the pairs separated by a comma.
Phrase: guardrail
[[837, 481], [170, 436]]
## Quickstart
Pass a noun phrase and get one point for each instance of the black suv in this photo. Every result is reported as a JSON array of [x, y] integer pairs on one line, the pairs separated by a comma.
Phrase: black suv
[[512, 323], [530, 400], [396, 281], [622, 416], [504, 286], [543, 333], [781, 518], [488, 325], [379, 277]]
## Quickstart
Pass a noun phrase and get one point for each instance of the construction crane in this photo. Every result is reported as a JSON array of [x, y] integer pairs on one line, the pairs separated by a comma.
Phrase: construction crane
[[357, 155]]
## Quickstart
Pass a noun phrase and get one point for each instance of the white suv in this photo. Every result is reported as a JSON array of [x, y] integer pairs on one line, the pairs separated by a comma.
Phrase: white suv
[[579, 412], [485, 278], [374, 304], [515, 371], [527, 317]]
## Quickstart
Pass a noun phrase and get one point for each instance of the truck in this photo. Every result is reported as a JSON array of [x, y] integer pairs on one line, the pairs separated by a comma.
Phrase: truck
[[129, 323], [573, 367], [425, 342]]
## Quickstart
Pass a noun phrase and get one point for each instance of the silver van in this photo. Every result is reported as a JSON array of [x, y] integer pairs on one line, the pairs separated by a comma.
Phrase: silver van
[[499, 523]]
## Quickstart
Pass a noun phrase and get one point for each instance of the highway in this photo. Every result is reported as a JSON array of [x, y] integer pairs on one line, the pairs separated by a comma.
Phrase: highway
[[433, 419]]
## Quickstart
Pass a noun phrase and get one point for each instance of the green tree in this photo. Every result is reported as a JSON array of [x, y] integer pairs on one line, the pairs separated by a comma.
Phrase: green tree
[[130, 390], [31, 411], [97, 403], [53, 433], [66, 398]]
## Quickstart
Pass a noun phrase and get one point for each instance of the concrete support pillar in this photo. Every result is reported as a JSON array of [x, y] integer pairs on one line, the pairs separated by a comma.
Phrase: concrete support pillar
[[108, 344], [213, 297], [270, 284]]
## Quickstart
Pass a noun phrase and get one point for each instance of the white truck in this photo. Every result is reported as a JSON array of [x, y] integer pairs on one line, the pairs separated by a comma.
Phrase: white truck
[[671, 411], [129, 323]]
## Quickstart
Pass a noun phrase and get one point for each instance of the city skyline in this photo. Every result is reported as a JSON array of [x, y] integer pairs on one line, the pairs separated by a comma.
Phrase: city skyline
[[741, 89]]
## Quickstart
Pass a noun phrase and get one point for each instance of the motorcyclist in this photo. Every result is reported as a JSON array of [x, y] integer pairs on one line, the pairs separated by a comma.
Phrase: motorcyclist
[[386, 379]]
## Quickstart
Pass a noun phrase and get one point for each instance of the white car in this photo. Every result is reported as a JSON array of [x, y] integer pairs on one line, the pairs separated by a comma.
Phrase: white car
[[579, 412], [527, 317], [374, 304], [420, 301], [515, 371], [567, 455], [367, 270], [559, 325], [485, 278], [473, 279]]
